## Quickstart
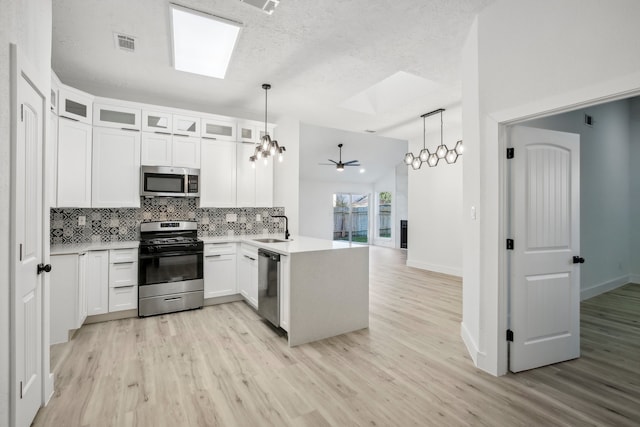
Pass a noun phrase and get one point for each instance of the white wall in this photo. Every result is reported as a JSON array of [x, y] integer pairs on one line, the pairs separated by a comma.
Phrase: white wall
[[386, 183], [26, 23], [287, 173], [435, 210], [634, 190], [531, 57], [316, 205], [604, 192], [401, 202]]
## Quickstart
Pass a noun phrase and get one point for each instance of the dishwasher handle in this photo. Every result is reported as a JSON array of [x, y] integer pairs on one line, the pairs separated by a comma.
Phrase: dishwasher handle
[[272, 255]]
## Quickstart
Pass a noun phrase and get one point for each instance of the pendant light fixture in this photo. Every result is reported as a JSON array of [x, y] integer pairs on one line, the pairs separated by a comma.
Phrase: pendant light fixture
[[441, 152], [266, 147]]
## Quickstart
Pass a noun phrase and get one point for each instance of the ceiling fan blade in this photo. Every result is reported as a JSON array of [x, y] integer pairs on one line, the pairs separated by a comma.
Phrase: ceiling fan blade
[[352, 164], [351, 161], [333, 161], [326, 164]]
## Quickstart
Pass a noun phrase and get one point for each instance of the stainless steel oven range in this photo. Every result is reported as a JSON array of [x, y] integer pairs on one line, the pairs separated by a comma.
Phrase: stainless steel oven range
[[170, 264]]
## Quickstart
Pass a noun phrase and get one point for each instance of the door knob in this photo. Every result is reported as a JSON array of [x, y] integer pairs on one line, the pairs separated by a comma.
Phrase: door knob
[[578, 260], [42, 267]]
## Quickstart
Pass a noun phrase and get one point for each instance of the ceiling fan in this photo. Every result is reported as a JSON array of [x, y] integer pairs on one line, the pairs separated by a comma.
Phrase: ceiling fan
[[339, 165]]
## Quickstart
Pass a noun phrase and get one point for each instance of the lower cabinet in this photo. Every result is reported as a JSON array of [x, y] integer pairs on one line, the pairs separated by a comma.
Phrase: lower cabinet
[[248, 274], [68, 295], [97, 282], [123, 279], [220, 270]]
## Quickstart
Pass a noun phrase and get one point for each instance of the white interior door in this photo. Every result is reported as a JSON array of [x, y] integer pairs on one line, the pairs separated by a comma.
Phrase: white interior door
[[545, 227], [27, 202]]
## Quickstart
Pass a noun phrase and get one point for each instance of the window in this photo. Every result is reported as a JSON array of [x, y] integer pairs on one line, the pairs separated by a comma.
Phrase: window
[[351, 217], [384, 214]]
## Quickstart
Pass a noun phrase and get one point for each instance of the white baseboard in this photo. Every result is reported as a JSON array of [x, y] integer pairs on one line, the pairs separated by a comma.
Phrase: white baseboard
[[468, 340], [435, 268], [607, 286]]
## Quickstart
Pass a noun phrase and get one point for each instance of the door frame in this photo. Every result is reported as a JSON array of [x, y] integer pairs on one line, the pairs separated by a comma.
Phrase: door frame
[[497, 126], [21, 64]]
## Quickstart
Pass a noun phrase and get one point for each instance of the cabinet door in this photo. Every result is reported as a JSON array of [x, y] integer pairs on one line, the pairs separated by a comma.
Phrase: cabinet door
[[248, 276], [75, 105], [114, 116], [73, 164], [156, 149], [186, 126], [220, 129], [81, 308], [218, 174], [123, 298], [246, 176], [157, 121], [248, 132], [264, 183], [98, 283], [186, 152], [63, 283], [116, 168], [220, 275], [52, 164]]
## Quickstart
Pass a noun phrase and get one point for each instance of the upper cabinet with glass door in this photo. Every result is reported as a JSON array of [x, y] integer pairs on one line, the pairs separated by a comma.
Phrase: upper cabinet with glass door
[[115, 116], [157, 122], [75, 105], [218, 128], [186, 126]]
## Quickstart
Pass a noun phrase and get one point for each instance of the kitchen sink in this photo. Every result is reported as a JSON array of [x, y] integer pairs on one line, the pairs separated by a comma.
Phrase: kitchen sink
[[270, 240]]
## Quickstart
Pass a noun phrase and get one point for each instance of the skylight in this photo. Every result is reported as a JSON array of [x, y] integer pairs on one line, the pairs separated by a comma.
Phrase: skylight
[[202, 43]]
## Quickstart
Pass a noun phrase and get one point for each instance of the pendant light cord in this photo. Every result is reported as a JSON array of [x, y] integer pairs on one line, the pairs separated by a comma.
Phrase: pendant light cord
[[424, 133], [441, 125], [266, 93]]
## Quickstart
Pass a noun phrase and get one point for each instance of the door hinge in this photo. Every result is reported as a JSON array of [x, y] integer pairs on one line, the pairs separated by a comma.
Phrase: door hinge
[[510, 244], [510, 153], [20, 389], [509, 335]]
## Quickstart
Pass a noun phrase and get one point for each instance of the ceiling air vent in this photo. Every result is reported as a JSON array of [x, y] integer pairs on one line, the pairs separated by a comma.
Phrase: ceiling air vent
[[124, 42], [267, 6]]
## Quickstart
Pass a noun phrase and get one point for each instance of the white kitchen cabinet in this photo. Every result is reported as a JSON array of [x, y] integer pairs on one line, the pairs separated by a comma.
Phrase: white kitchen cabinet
[[220, 270], [55, 93], [123, 279], [218, 174], [75, 105], [115, 168], [157, 121], [248, 131], [81, 312], [73, 164], [115, 116], [248, 274], [254, 184], [219, 129], [246, 176], [270, 129], [157, 149], [186, 126], [97, 282], [186, 152], [285, 289], [264, 183]]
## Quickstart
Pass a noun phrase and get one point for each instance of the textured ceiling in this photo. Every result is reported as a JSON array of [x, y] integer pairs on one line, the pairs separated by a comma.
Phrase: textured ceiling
[[316, 54]]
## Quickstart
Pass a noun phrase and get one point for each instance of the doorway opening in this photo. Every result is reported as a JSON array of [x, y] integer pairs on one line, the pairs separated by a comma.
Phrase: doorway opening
[[351, 217]]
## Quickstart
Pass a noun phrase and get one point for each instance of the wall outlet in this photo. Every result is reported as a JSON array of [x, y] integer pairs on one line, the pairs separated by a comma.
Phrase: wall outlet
[[258, 218], [231, 217], [82, 220]]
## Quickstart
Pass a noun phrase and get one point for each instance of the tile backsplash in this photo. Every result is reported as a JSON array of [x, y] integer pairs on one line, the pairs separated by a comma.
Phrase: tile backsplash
[[111, 225]]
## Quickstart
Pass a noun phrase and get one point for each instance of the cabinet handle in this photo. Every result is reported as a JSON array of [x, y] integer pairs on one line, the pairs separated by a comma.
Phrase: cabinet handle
[[172, 299], [247, 256], [122, 287], [132, 130], [210, 137], [162, 133], [179, 134], [213, 256], [70, 118], [122, 262]]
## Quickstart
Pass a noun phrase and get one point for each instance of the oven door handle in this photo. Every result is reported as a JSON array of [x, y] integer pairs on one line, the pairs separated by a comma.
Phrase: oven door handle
[[169, 254]]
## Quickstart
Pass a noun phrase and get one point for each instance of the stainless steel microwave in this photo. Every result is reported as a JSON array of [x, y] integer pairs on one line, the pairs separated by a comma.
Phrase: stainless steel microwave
[[167, 181]]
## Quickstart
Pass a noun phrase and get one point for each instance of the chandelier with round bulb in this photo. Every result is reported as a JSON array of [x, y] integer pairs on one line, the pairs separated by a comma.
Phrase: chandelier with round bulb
[[267, 147]]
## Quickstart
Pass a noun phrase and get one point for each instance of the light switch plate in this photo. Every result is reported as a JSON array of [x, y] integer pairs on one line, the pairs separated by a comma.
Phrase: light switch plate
[[232, 217], [82, 220], [258, 218]]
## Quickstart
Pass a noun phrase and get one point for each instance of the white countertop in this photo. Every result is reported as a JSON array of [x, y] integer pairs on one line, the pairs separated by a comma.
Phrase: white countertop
[[296, 244], [98, 246]]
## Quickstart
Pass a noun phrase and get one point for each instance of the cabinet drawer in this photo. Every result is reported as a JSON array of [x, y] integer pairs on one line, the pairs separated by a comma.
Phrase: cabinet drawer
[[123, 255], [124, 298], [219, 249], [123, 274]]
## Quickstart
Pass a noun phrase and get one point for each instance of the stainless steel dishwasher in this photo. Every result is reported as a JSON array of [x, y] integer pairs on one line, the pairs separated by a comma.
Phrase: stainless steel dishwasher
[[269, 286]]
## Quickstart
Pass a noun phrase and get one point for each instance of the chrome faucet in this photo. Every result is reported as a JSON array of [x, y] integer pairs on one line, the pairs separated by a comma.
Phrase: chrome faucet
[[286, 225]]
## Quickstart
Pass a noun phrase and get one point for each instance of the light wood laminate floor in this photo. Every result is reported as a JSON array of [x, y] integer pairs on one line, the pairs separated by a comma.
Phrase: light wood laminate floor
[[222, 366]]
